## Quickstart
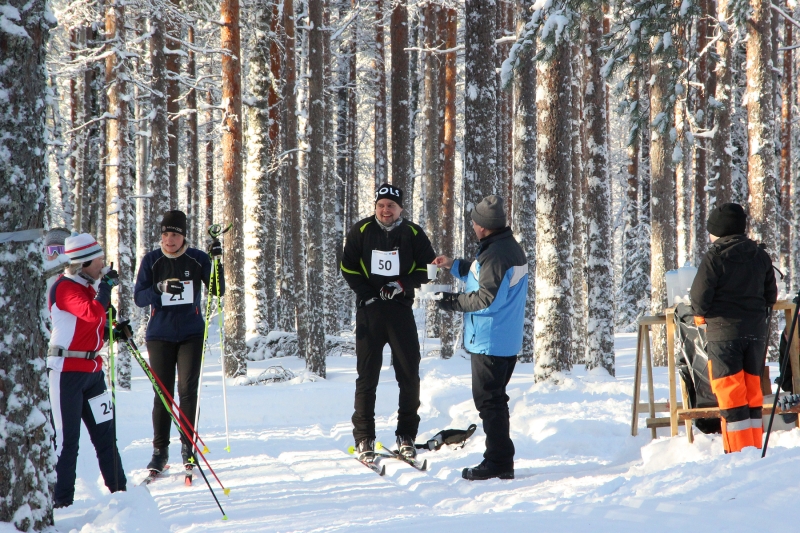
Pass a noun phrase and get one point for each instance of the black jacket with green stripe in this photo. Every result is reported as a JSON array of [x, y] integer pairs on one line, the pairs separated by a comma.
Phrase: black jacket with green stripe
[[414, 253]]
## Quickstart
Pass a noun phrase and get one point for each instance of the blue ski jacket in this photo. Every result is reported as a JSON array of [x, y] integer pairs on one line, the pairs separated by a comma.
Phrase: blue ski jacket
[[494, 299], [175, 318]]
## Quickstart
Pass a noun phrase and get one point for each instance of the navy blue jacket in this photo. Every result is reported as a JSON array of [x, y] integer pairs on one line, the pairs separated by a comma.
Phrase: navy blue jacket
[[171, 319]]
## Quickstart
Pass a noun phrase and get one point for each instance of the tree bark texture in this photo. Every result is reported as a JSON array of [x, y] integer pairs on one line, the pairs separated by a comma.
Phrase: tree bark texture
[[721, 145], [27, 460], [706, 77], [553, 328], [381, 154], [787, 97], [159, 149], [172, 52], [401, 117], [578, 201], [232, 179], [196, 233]]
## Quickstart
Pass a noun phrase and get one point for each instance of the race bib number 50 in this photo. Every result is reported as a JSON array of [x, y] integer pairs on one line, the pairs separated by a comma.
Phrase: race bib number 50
[[386, 263]]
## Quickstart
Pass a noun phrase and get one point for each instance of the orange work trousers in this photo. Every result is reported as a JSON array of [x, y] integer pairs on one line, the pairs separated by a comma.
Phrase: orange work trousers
[[735, 368]]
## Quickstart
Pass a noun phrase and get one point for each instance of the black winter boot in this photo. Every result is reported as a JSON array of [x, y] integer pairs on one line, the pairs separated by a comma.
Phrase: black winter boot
[[405, 446], [159, 460], [365, 450], [187, 454], [486, 471]]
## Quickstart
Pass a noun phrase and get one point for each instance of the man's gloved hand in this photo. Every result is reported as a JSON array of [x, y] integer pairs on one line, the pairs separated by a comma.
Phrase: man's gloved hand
[[364, 303], [215, 249], [699, 321], [111, 278], [392, 289], [446, 300], [170, 286]]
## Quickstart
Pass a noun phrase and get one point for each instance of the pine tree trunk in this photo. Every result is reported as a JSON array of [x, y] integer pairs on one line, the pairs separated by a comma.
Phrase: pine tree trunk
[[401, 119], [159, 149], [721, 144], [273, 199], [553, 328], [787, 97], [480, 132], [523, 219], [315, 346], [578, 218], [662, 207], [27, 459], [707, 79], [259, 234], [120, 225], [683, 181], [209, 163], [379, 71], [505, 105], [233, 210], [599, 267], [761, 176], [173, 34]]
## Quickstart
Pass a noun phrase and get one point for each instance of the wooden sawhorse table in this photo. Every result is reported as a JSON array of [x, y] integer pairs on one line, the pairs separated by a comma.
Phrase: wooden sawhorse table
[[686, 414]]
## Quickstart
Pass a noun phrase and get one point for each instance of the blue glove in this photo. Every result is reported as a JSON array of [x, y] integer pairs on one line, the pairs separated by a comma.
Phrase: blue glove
[[111, 278]]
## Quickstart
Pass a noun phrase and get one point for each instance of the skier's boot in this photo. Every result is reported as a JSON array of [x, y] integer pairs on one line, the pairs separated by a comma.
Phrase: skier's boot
[[365, 450], [187, 454], [405, 446], [487, 470], [159, 460]]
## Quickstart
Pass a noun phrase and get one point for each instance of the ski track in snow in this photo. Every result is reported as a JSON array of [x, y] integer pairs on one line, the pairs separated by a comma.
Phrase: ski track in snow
[[576, 464]]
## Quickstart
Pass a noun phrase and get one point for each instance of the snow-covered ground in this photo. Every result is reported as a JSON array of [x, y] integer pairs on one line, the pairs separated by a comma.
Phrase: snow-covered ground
[[577, 466]]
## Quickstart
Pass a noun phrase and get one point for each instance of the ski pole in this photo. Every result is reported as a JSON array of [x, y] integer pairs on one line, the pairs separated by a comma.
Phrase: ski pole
[[214, 494], [203, 353], [222, 355], [177, 417], [785, 355], [113, 389]]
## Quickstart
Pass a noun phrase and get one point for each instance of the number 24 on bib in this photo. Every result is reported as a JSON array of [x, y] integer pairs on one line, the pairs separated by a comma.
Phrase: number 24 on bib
[[386, 263]]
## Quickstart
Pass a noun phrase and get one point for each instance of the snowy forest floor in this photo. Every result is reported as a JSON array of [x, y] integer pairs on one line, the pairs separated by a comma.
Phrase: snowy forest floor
[[577, 466]]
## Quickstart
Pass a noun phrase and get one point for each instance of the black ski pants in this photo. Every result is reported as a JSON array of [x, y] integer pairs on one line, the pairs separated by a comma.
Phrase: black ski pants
[[490, 375], [70, 393], [377, 324], [164, 357]]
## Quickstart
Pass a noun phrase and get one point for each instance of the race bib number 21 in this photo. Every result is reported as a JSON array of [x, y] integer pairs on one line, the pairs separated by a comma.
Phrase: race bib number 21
[[386, 263]]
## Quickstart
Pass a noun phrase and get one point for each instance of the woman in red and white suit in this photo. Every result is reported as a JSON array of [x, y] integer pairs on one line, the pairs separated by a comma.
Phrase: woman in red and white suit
[[78, 312]]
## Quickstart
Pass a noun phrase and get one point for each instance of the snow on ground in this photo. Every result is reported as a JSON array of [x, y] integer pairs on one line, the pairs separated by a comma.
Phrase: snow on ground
[[577, 466]]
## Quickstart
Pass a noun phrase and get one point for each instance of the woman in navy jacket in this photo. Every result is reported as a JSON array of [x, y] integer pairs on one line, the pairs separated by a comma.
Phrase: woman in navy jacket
[[170, 280]]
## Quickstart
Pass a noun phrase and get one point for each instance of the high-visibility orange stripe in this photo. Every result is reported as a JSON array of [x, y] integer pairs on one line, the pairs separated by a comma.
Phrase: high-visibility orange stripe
[[757, 435], [731, 391], [755, 398], [734, 441]]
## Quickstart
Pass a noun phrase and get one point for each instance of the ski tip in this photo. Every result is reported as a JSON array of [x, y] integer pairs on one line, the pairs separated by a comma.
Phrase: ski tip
[[424, 465], [188, 481], [351, 450], [226, 491], [383, 470], [205, 450]]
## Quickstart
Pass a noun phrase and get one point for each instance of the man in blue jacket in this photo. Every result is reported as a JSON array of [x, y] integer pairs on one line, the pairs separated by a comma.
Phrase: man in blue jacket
[[494, 312]]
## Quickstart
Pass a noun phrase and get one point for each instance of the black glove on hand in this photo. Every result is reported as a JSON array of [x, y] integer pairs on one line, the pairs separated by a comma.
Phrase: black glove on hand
[[447, 301], [170, 286], [111, 278], [122, 330], [215, 250], [392, 289]]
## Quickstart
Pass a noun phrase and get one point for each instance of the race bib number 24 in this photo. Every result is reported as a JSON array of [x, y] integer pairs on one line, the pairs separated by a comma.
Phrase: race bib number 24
[[386, 263]]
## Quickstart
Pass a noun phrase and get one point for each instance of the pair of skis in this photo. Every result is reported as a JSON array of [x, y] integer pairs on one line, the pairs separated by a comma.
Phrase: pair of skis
[[380, 469], [154, 475]]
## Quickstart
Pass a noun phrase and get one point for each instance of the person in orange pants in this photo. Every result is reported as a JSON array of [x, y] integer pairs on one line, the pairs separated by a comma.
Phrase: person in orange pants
[[734, 286]]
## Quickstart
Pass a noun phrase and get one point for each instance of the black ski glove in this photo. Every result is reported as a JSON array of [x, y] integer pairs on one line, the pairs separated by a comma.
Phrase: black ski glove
[[111, 278], [122, 330], [215, 249], [170, 286], [392, 289], [448, 300]]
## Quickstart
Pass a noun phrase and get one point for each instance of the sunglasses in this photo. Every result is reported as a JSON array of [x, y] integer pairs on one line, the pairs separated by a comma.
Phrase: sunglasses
[[55, 249]]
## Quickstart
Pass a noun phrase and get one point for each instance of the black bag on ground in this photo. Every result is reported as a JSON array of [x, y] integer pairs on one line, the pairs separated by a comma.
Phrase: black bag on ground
[[692, 362], [448, 436], [787, 378]]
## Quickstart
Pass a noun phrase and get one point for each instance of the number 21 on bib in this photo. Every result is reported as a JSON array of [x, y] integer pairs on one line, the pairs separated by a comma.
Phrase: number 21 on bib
[[386, 263]]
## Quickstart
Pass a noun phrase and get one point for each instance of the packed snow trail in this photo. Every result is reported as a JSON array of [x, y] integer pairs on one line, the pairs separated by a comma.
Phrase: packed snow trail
[[577, 467]]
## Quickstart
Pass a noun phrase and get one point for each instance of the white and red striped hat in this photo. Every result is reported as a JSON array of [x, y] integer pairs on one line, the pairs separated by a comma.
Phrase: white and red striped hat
[[82, 248]]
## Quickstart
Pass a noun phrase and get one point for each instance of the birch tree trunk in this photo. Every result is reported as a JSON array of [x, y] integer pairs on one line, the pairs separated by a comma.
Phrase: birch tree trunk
[[27, 460], [523, 218], [233, 211], [553, 328], [120, 226], [599, 267], [761, 178]]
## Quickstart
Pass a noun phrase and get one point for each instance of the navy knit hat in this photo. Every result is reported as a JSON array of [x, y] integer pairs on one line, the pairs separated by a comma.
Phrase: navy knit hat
[[727, 219], [389, 192]]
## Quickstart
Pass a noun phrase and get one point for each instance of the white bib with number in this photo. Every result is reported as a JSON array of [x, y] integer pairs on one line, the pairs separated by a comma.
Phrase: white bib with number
[[386, 263], [186, 297], [102, 408]]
